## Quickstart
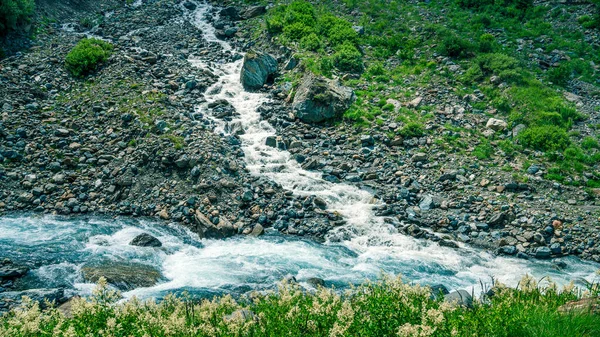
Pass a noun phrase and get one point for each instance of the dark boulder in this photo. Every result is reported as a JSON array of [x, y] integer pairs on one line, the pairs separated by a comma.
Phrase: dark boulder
[[145, 240], [319, 99], [256, 70]]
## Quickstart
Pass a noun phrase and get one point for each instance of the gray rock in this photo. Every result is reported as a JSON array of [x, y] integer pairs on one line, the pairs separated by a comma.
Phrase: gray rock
[[57, 296], [460, 297], [533, 169], [124, 276], [145, 240], [189, 5], [256, 69], [319, 99], [419, 157], [252, 12], [543, 253]]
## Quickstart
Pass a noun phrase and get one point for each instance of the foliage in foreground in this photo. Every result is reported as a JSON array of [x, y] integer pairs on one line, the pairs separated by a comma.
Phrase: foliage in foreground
[[87, 55], [386, 308]]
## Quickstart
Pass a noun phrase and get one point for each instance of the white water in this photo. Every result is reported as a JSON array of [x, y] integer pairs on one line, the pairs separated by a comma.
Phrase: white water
[[58, 247]]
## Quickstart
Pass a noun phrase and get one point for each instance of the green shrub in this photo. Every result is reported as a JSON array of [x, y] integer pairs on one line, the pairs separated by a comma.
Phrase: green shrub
[[504, 66], [310, 42], [560, 75], [483, 150], [453, 45], [590, 143], [87, 55], [545, 138], [348, 58], [487, 43], [14, 12]]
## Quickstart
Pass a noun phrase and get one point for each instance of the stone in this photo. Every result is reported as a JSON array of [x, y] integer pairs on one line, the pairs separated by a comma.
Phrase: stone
[[533, 169], [229, 12], [258, 230], [122, 275], [189, 5], [252, 12], [315, 282], [256, 69], [543, 253], [145, 240], [448, 243], [419, 157], [459, 298], [319, 99], [496, 124]]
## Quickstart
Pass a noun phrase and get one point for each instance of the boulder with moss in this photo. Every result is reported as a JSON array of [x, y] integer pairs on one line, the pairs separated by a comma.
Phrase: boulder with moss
[[256, 70], [319, 99]]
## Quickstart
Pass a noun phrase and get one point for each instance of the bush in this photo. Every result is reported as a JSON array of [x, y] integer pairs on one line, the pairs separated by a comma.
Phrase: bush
[[487, 43], [560, 75], [87, 55], [348, 58], [505, 67], [310, 42], [453, 45], [545, 138], [14, 12], [590, 143]]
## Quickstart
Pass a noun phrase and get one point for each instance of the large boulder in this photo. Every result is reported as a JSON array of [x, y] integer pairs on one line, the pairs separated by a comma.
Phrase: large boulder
[[145, 240], [254, 11], [256, 70], [319, 99], [123, 276]]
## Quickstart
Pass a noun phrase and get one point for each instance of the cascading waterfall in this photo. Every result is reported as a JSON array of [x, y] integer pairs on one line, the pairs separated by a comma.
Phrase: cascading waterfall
[[58, 248]]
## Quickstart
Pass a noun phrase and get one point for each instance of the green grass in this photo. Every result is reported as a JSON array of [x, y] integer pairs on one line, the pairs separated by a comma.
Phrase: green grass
[[387, 307]]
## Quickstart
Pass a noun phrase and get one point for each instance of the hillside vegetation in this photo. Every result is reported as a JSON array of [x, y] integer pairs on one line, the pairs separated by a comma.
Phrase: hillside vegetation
[[512, 59]]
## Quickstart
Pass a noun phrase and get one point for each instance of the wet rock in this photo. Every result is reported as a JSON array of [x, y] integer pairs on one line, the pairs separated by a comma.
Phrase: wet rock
[[438, 289], [145, 240], [543, 253], [315, 282], [189, 5], [9, 271], [57, 296], [256, 69], [319, 99], [123, 276]]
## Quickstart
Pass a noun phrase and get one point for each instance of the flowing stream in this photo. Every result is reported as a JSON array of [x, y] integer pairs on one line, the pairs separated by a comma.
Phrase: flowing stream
[[57, 248]]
